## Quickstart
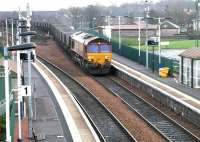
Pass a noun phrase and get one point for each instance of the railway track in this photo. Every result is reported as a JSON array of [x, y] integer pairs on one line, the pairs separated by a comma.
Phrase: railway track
[[107, 126], [164, 125]]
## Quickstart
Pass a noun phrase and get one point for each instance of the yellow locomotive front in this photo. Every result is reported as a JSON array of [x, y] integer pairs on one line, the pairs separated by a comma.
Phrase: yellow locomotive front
[[99, 55], [93, 53]]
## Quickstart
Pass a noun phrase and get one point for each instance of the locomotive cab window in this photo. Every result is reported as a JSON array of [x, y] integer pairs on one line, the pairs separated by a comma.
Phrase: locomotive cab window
[[92, 48], [105, 48]]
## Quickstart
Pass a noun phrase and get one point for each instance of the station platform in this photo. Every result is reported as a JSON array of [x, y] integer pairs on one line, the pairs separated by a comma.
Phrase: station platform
[[47, 118], [167, 91], [56, 112], [57, 117], [172, 82]]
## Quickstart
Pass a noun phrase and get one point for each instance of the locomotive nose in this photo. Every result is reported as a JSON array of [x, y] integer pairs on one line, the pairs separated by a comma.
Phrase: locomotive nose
[[100, 60]]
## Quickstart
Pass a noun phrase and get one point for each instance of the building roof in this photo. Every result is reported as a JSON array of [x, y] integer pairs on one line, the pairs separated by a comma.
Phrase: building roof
[[164, 25], [131, 27], [193, 53], [169, 25]]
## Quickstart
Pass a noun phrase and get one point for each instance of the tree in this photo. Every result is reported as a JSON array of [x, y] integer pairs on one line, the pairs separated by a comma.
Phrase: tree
[[74, 13], [93, 14]]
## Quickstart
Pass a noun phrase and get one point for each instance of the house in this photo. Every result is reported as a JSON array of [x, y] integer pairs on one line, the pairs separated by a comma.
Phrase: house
[[129, 30], [167, 29], [190, 67]]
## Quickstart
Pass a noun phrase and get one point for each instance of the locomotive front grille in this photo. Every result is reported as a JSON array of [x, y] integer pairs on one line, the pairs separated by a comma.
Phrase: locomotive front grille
[[99, 58]]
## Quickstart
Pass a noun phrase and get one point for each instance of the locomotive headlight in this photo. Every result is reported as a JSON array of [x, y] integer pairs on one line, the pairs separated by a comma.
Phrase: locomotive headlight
[[107, 58], [90, 58]]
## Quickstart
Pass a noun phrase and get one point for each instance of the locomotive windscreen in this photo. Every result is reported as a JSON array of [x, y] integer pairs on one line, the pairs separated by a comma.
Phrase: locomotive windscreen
[[103, 47], [92, 48]]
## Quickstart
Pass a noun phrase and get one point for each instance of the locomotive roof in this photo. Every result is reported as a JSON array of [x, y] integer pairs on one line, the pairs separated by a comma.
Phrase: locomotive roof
[[83, 37]]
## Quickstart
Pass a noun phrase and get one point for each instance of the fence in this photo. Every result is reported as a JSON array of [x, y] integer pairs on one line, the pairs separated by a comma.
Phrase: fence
[[12, 119], [1, 85], [2, 105], [133, 54], [12, 123], [1, 52]]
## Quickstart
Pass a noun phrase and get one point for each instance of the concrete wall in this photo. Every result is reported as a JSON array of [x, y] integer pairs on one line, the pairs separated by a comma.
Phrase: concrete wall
[[169, 32], [133, 33], [187, 113]]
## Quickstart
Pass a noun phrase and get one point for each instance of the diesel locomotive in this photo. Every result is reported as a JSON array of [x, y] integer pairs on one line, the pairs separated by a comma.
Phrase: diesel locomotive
[[93, 53]]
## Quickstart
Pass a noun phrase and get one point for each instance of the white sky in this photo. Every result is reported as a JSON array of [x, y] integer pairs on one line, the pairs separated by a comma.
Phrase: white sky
[[10, 5]]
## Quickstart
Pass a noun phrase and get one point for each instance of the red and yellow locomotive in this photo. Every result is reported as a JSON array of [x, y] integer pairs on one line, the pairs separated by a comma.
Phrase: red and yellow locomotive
[[93, 53]]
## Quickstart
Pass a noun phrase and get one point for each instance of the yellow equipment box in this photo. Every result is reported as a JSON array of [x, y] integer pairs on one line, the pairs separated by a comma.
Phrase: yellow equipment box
[[164, 72]]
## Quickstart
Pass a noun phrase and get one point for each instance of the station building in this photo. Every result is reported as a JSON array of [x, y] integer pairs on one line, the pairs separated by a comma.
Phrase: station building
[[190, 67], [168, 29]]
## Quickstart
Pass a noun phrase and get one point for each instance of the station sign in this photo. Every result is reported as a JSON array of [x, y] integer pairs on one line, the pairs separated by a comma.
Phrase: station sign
[[25, 90]]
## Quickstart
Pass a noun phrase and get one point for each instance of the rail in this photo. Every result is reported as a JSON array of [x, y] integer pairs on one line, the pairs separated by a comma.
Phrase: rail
[[100, 117], [168, 128]]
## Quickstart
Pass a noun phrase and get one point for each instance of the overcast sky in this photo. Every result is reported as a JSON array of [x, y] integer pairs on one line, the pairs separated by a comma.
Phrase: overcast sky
[[10, 5]]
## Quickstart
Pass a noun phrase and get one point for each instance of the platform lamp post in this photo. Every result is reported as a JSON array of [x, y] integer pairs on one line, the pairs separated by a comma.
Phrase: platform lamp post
[[7, 97], [20, 23], [81, 22], [197, 20], [159, 34], [147, 48], [119, 31], [94, 22], [119, 38], [18, 74], [159, 41], [108, 27], [110, 31], [139, 38], [139, 34], [28, 34], [159, 37], [19, 84]]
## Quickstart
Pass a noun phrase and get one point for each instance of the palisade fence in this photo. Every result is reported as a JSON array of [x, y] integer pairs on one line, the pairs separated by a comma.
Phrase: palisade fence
[[1, 50], [2, 105], [133, 54]]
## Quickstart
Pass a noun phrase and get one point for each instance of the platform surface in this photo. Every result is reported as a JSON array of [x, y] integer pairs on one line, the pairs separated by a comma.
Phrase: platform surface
[[48, 121], [195, 93]]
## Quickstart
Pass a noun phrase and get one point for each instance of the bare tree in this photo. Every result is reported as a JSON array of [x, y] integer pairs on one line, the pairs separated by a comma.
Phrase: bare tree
[[74, 14]]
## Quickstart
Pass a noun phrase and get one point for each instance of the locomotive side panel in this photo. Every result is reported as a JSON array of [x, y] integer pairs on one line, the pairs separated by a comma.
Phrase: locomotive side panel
[[78, 48]]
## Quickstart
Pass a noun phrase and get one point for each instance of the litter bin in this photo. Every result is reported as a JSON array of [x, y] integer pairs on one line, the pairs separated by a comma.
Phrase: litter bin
[[164, 72]]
